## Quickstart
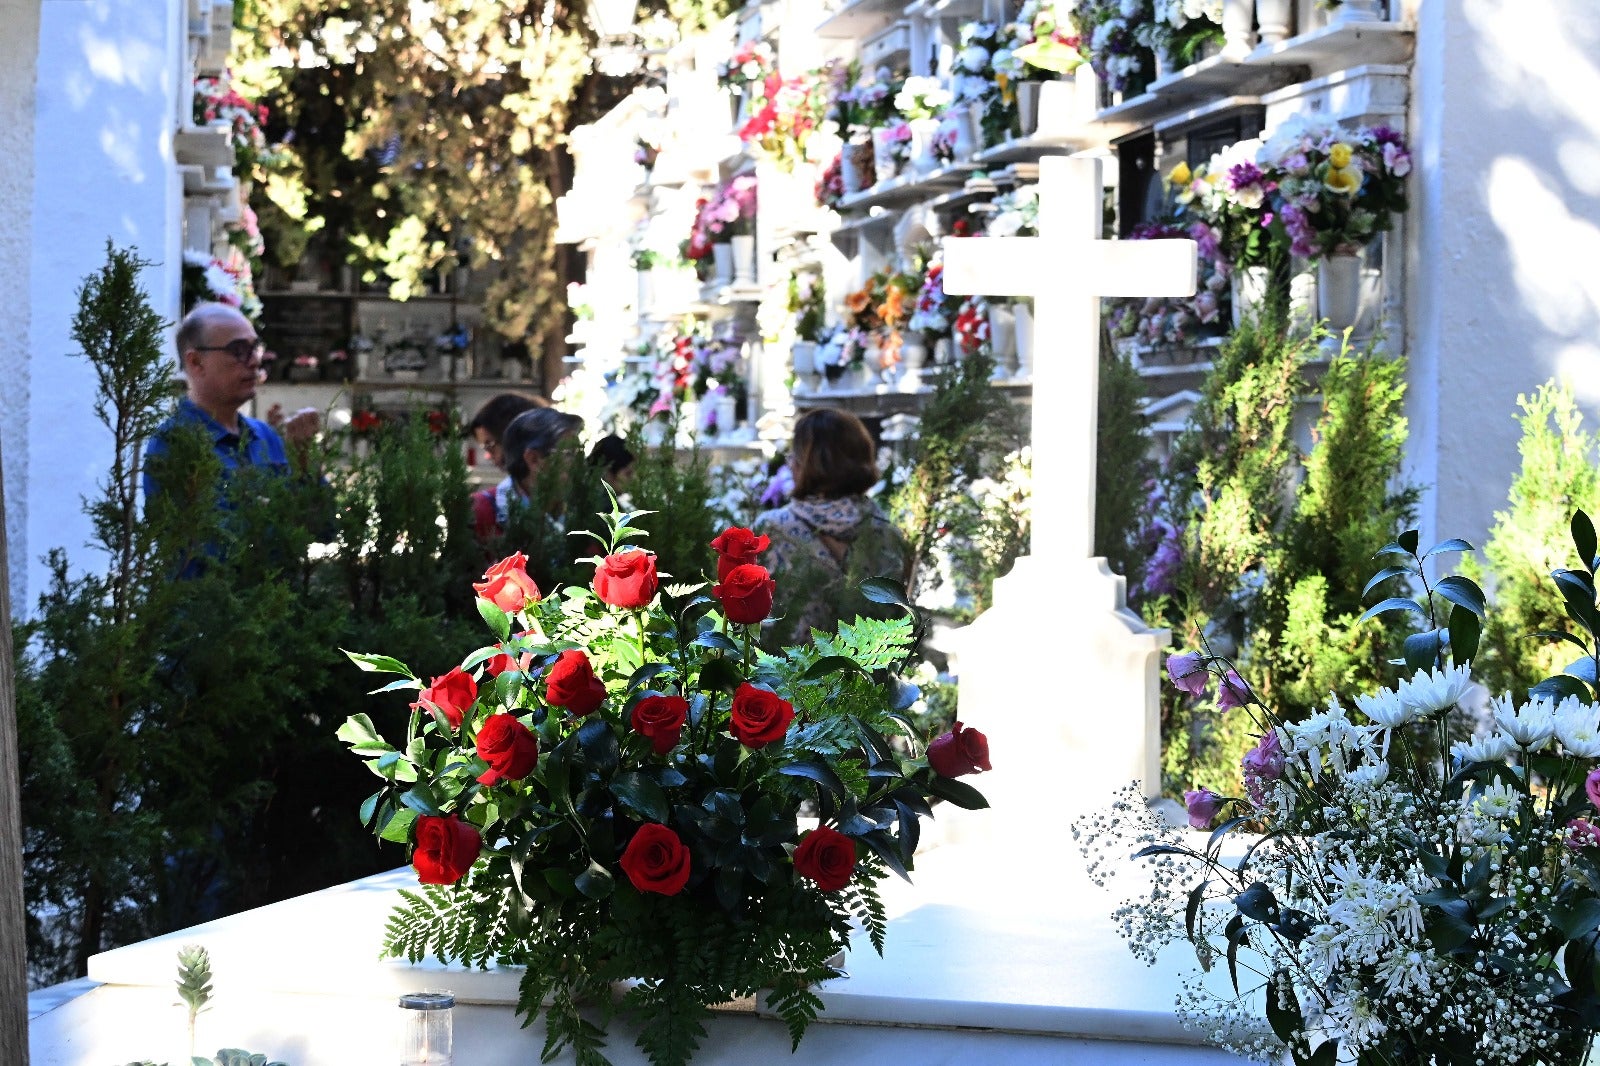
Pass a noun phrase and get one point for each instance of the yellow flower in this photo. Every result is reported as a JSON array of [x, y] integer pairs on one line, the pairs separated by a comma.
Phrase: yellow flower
[[1214, 179], [1339, 155], [1346, 181], [1180, 174]]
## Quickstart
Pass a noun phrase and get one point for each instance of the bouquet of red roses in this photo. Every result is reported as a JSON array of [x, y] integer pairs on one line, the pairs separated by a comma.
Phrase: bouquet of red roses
[[613, 790]]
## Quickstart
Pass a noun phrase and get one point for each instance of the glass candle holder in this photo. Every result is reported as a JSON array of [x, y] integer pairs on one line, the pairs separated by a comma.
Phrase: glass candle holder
[[428, 1028]]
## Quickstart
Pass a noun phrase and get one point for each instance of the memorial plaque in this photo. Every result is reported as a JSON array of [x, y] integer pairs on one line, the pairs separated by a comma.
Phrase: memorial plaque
[[292, 325]]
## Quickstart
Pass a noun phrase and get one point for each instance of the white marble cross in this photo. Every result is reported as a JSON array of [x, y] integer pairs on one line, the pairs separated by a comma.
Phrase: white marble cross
[[1067, 268]]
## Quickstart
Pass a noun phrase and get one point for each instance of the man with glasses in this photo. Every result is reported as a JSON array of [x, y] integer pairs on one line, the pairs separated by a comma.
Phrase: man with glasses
[[221, 358]]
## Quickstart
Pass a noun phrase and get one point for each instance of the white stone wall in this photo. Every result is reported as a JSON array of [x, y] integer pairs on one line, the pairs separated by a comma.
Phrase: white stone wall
[[19, 49], [105, 109], [1506, 210]]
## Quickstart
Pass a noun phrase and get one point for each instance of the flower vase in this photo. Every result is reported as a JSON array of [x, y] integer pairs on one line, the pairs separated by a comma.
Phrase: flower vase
[[1249, 292], [943, 352], [924, 132], [1028, 106], [957, 123], [363, 364], [647, 292], [727, 413], [883, 164], [1024, 331], [1356, 11], [722, 256], [743, 250], [913, 356], [1238, 29], [857, 167], [511, 370], [803, 365], [1002, 339], [1163, 64], [1273, 17], [1339, 292]]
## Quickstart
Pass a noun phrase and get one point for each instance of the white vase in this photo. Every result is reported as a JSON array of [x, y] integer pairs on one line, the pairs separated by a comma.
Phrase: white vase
[[1024, 327], [957, 124], [1339, 292], [924, 132], [1002, 339], [1249, 292], [883, 164], [943, 352], [744, 260], [1028, 106], [1357, 11], [511, 370], [1163, 64], [363, 364], [647, 292], [727, 412], [857, 169], [803, 365], [1273, 16], [1238, 32], [722, 259], [913, 357]]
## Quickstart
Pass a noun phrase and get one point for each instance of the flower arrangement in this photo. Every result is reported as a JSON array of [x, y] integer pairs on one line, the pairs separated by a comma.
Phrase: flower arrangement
[[935, 312], [861, 100], [610, 790], [1107, 30], [1226, 203], [808, 302], [921, 98], [1015, 213], [365, 422], [1169, 320], [732, 211], [645, 152], [1337, 188], [897, 136], [216, 101], [1045, 38], [790, 112], [225, 280], [1181, 29], [830, 186], [1426, 885], [978, 78], [752, 64], [972, 326]]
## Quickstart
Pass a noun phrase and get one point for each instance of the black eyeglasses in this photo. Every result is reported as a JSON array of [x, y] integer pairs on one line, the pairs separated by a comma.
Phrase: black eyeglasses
[[243, 350]]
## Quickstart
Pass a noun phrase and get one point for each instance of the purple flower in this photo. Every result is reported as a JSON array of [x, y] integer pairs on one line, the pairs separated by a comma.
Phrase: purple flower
[[1385, 135], [1232, 692], [779, 488], [1582, 834], [1241, 175], [1397, 159], [1262, 763], [1202, 805], [1591, 785], [1188, 672], [1207, 240]]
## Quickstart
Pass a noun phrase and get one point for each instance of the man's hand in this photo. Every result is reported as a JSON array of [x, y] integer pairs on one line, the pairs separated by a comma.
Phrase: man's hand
[[300, 428]]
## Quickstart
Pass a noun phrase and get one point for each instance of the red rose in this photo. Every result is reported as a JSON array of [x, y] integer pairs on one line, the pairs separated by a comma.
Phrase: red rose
[[507, 585], [655, 860], [661, 719], [826, 856], [501, 663], [745, 593], [571, 683], [508, 747], [626, 579], [736, 546], [960, 751], [759, 717], [450, 695], [446, 849]]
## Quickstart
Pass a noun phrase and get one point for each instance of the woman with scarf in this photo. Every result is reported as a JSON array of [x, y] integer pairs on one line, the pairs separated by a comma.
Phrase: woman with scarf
[[830, 537]]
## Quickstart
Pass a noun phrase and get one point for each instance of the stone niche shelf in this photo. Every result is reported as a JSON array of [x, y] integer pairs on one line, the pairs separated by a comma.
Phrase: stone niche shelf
[[206, 146], [1269, 67], [859, 19], [907, 188]]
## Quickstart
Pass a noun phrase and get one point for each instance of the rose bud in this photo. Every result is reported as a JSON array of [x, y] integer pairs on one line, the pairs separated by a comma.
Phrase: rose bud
[[507, 585], [737, 546], [1202, 805], [745, 594], [655, 860], [510, 749], [759, 717], [827, 857], [1188, 672], [571, 683], [1591, 785], [661, 719], [446, 849], [1581, 834], [958, 752], [1233, 692], [451, 695], [626, 579]]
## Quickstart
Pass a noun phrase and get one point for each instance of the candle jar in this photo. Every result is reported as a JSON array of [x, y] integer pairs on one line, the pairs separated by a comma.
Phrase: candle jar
[[428, 1029]]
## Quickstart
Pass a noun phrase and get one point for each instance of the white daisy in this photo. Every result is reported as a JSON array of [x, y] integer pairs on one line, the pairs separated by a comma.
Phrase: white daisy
[[1492, 747], [1529, 726], [1433, 691], [1578, 728], [1386, 708]]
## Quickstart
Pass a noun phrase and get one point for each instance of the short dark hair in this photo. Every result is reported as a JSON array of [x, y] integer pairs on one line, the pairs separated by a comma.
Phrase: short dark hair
[[832, 456], [611, 452], [497, 412], [539, 430]]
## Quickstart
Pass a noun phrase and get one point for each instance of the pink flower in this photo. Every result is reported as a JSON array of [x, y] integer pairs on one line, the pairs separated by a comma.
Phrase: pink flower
[[1397, 159], [1591, 785], [1202, 805], [1582, 834], [1233, 692], [1262, 763], [1188, 672]]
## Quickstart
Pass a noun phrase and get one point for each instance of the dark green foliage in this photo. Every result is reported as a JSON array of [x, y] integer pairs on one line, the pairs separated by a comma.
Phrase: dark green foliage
[[678, 489], [1122, 460], [1530, 539]]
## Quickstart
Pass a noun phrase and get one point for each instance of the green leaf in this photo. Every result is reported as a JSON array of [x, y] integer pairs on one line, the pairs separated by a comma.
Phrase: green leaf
[[1393, 603], [830, 664], [421, 800], [818, 771], [1408, 541], [359, 732], [1559, 688], [720, 675], [1388, 573], [1465, 629], [1422, 650], [647, 672], [1257, 903], [395, 686], [1286, 1019], [497, 619], [712, 639], [1462, 592], [641, 795], [957, 792], [1215, 840], [1454, 544], [886, 590], [1582, 669], [1560, 634], [1235, 932], [1197, 896], [596, 882], [398, 828], [598, 744], [1576, 919], [1583, 539], [378, 664]]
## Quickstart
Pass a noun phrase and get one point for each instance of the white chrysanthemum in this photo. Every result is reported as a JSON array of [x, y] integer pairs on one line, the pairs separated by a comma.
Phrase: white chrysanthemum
[[1492, 747], [1405, 971], [1432, 691], [1499, 800], [1368, 776], [1578, 728], [1530, 726], [1387, 708]]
